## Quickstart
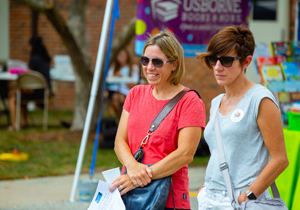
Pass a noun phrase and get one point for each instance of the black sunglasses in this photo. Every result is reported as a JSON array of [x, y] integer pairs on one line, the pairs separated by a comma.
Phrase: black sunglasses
[[157, 62], [226, 61]]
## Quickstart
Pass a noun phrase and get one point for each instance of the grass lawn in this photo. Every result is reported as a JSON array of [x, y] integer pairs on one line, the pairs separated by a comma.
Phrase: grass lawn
[[55, 151]]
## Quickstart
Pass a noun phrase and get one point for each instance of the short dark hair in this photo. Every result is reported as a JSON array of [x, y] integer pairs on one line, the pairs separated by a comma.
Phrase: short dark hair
[[38, 48], [238, 39]]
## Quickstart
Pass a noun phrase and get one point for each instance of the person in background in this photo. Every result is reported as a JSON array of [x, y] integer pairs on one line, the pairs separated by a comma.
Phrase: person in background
[[39, 61], [250, 125], [173, 145], [116, 94], [122, 67]]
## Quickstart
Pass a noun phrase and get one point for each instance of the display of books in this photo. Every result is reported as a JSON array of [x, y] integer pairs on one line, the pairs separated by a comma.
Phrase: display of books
[[280, 72], [290, 71], [271, 73]]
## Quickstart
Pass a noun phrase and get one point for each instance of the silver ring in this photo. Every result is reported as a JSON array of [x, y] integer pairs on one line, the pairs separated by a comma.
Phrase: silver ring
[[121, 188]]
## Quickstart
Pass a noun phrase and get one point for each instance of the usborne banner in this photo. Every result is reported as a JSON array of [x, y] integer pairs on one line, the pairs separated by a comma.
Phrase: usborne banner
[[193, 22]]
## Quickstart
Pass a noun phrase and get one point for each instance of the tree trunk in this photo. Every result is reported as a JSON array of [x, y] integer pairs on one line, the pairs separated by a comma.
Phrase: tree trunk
[[76, 23], [72, 35]]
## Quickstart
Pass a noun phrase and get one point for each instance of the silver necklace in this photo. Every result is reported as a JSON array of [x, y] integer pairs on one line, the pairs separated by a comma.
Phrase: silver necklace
[[227, 102]]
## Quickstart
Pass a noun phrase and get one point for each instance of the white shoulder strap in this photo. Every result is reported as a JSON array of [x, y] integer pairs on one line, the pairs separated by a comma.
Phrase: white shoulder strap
[[224, 166], [223, 163]]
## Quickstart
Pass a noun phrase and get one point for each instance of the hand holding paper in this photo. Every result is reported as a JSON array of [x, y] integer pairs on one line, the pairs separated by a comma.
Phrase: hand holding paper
[[106, 200], [103, 198]]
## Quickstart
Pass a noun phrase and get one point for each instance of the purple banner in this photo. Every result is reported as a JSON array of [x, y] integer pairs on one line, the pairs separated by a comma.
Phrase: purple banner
[[193, 22]]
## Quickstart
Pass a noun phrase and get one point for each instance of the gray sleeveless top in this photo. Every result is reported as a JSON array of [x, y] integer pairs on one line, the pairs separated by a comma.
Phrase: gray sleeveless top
[[245, 151]]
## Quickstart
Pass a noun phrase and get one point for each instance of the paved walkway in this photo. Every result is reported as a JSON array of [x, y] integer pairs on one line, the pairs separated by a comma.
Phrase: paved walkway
[[53, 193]]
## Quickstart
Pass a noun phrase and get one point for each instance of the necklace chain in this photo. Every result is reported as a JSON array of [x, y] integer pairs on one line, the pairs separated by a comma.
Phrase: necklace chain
[[227, 102]]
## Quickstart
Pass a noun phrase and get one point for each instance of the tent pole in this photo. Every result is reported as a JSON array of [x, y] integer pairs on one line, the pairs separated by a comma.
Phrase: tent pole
[[94, 90]]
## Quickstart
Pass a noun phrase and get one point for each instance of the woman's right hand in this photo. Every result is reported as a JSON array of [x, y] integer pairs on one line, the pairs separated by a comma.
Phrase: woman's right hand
[[139, 174]]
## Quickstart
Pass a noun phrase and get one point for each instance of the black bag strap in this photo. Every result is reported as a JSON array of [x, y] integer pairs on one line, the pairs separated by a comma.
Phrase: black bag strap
[[163, 113], [160, 117], [168, 108]]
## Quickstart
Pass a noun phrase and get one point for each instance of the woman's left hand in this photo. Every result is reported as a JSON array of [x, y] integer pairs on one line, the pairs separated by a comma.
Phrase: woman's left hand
[[123, 183], [242, 197]]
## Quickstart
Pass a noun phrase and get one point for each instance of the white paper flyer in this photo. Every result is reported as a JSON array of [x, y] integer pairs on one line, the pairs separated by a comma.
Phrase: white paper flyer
[[104, 199]]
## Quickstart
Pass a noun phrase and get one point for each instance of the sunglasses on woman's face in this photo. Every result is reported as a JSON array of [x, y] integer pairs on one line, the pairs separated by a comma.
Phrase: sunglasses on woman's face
[[226, 61], [157, 62]]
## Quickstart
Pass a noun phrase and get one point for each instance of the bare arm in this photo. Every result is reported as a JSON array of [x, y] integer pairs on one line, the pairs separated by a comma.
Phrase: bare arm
[[188, 140], [270, 125], [138, 173]]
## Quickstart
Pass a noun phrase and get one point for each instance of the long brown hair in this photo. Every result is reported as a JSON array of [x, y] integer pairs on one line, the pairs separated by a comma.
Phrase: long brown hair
[[117, 66]]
